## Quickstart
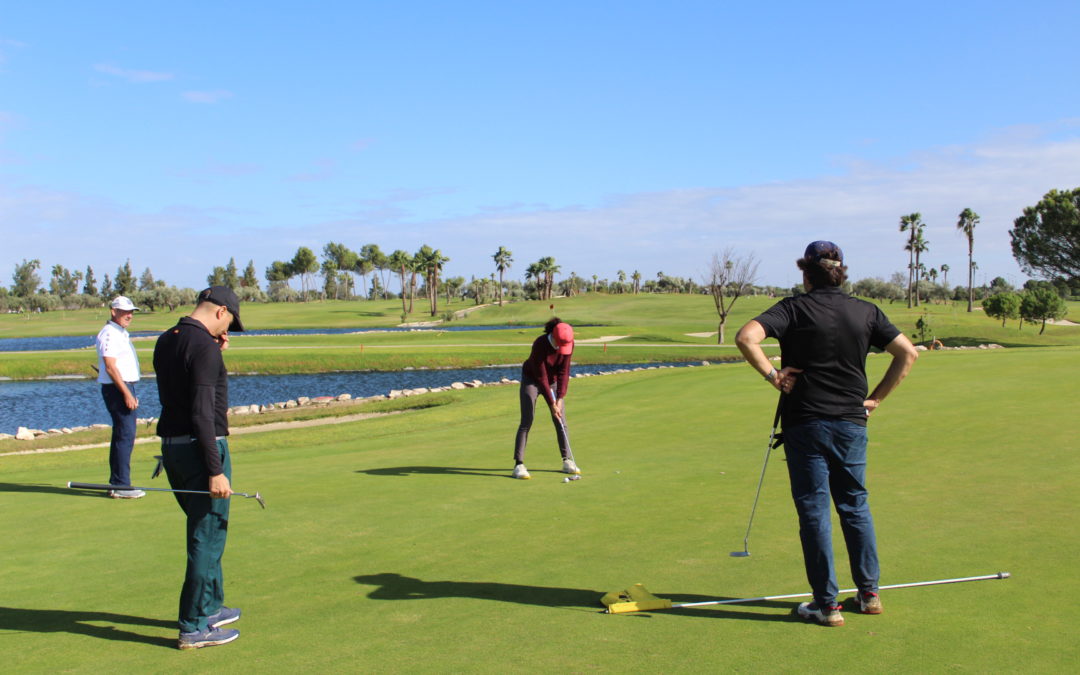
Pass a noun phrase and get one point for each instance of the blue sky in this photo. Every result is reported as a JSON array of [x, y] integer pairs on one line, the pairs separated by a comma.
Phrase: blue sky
[[609, 135]]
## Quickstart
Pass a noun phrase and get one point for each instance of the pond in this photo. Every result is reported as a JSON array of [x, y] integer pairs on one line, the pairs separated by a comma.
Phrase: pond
[[33, 344], [59, 403]]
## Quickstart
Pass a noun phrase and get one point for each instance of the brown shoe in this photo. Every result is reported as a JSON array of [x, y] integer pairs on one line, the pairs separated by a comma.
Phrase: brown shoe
[[869, 602], [829, 616]]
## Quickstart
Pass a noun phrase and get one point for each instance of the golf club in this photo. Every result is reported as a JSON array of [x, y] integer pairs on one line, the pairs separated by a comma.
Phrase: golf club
[[745, 553], [97, 486], [566, 435], [637, 599]]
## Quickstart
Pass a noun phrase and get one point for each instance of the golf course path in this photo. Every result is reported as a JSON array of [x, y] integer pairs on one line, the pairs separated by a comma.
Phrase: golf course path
[[238, 431]]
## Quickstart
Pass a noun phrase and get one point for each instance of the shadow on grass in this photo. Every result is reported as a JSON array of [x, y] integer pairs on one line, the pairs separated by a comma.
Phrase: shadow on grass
[[446, 471], [80, 623], [391, 586], [48, 489], [961, 341]]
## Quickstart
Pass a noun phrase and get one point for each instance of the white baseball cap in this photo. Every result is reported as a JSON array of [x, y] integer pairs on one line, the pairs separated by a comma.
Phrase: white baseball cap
[[124, 303]]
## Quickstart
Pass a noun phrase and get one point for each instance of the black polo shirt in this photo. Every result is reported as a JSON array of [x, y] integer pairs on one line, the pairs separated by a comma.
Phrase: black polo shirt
[[193, 388], [827, 334]]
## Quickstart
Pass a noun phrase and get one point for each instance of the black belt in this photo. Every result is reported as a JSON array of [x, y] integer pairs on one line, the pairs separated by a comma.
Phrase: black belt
[[184, 440]]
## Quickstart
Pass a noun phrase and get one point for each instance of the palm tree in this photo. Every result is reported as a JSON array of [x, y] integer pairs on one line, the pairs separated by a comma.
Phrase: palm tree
[[533, 272], [945, 276], [920, 246], [401, 262], [968, 220], [362, 267], [622, 281], [503, 258], [549, 269], [431, 262], [636, 276], [912, 224]]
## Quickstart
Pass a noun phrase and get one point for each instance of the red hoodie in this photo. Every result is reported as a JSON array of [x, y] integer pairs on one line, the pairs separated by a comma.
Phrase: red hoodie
[[548, 367]]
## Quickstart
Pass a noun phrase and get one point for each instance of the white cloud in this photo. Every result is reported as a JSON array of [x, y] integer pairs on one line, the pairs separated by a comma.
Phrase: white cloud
[[675, 231], [133, 76], [215, 96]]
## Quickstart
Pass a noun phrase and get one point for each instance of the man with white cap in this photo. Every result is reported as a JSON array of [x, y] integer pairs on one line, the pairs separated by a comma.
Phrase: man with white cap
[[118, 371]]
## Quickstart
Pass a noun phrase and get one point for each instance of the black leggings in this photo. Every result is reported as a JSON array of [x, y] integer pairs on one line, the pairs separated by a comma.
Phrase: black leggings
[[530, 391]]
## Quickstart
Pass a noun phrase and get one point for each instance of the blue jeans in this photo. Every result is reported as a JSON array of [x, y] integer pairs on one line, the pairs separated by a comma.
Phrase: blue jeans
[[123, 433], [828, 456]]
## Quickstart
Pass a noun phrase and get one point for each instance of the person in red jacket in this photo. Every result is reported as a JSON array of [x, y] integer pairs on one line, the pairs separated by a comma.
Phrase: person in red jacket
[[546, 373]]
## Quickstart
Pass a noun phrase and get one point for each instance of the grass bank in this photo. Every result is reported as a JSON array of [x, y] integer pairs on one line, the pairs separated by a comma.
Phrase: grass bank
[[410, 550], [652, 328]]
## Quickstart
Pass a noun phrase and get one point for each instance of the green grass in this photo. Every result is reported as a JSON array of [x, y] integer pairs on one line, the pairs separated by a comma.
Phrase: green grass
[[398, 544], [656, 326]]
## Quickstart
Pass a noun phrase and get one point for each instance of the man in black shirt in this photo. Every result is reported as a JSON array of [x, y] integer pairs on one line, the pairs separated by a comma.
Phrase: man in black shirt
[[824, 339], [194, 392]]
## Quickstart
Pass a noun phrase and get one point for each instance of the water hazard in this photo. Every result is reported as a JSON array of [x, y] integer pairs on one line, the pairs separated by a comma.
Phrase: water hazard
[[48, 404], [31, 344]]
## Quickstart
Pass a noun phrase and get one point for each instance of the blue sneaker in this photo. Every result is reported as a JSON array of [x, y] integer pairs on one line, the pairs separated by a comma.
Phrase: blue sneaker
[[206, 638], [223, 617]]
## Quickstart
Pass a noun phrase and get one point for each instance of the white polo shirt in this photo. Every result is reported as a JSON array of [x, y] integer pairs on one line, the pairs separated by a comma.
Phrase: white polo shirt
[[114, 341]]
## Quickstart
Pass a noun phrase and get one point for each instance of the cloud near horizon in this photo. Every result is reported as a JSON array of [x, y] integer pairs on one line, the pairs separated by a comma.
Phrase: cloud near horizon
[[674, 231], [133, 76]]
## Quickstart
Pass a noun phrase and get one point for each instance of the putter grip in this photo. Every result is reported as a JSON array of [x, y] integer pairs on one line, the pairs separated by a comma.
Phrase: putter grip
[[94, 486]]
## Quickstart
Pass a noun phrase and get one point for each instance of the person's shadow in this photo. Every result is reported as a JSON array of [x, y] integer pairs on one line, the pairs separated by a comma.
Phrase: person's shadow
[[391, 586], [45, 488], [445, 471], [82, 623]]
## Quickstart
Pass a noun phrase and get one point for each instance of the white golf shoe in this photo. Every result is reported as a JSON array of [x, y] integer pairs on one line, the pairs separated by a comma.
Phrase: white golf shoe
[[568, 466], [521, 472], [127, 494]]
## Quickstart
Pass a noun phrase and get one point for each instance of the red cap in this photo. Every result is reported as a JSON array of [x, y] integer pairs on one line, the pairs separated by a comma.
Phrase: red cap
[[564, 337]]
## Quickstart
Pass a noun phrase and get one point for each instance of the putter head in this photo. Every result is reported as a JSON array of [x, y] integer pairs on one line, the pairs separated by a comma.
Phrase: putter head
[[739, 554], [258, 498]]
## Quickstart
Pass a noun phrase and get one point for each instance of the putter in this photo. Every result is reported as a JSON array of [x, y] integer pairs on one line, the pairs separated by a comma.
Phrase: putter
[[566, 435], [569, 452], [745, 553], [97, 486], [637, 599]]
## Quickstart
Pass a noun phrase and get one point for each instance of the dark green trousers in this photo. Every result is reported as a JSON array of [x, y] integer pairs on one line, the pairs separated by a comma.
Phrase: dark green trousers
[[207, 525]]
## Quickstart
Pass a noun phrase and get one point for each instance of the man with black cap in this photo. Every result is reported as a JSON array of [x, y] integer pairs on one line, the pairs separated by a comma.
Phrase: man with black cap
[[824, 338], [194, 391]]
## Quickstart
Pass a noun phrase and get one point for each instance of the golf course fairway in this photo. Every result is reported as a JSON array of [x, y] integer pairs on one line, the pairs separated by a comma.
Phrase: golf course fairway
[[400, 544]]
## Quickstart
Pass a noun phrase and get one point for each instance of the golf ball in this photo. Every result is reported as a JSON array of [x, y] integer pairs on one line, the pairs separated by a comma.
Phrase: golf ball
[[566, 480]]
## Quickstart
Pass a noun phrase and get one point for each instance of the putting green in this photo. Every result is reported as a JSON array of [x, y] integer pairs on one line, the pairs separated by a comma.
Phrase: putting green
[[399, 544]]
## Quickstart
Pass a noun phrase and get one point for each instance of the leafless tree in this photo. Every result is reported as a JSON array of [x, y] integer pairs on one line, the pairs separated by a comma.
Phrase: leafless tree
[[730, 276]]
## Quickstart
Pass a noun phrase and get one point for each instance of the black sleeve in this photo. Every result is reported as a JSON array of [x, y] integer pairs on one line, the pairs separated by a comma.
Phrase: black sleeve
[[205, 366], [775, 319], [883, 331]]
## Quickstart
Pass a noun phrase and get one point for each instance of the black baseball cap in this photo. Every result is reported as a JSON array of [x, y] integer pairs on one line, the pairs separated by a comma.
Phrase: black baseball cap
[[224, 296], [820, 250]]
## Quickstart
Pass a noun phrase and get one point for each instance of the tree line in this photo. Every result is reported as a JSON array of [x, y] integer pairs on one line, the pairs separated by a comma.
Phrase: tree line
[[1045, 242]]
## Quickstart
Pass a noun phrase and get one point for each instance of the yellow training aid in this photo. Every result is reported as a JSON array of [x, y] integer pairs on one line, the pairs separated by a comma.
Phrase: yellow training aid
[[633, 599]]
